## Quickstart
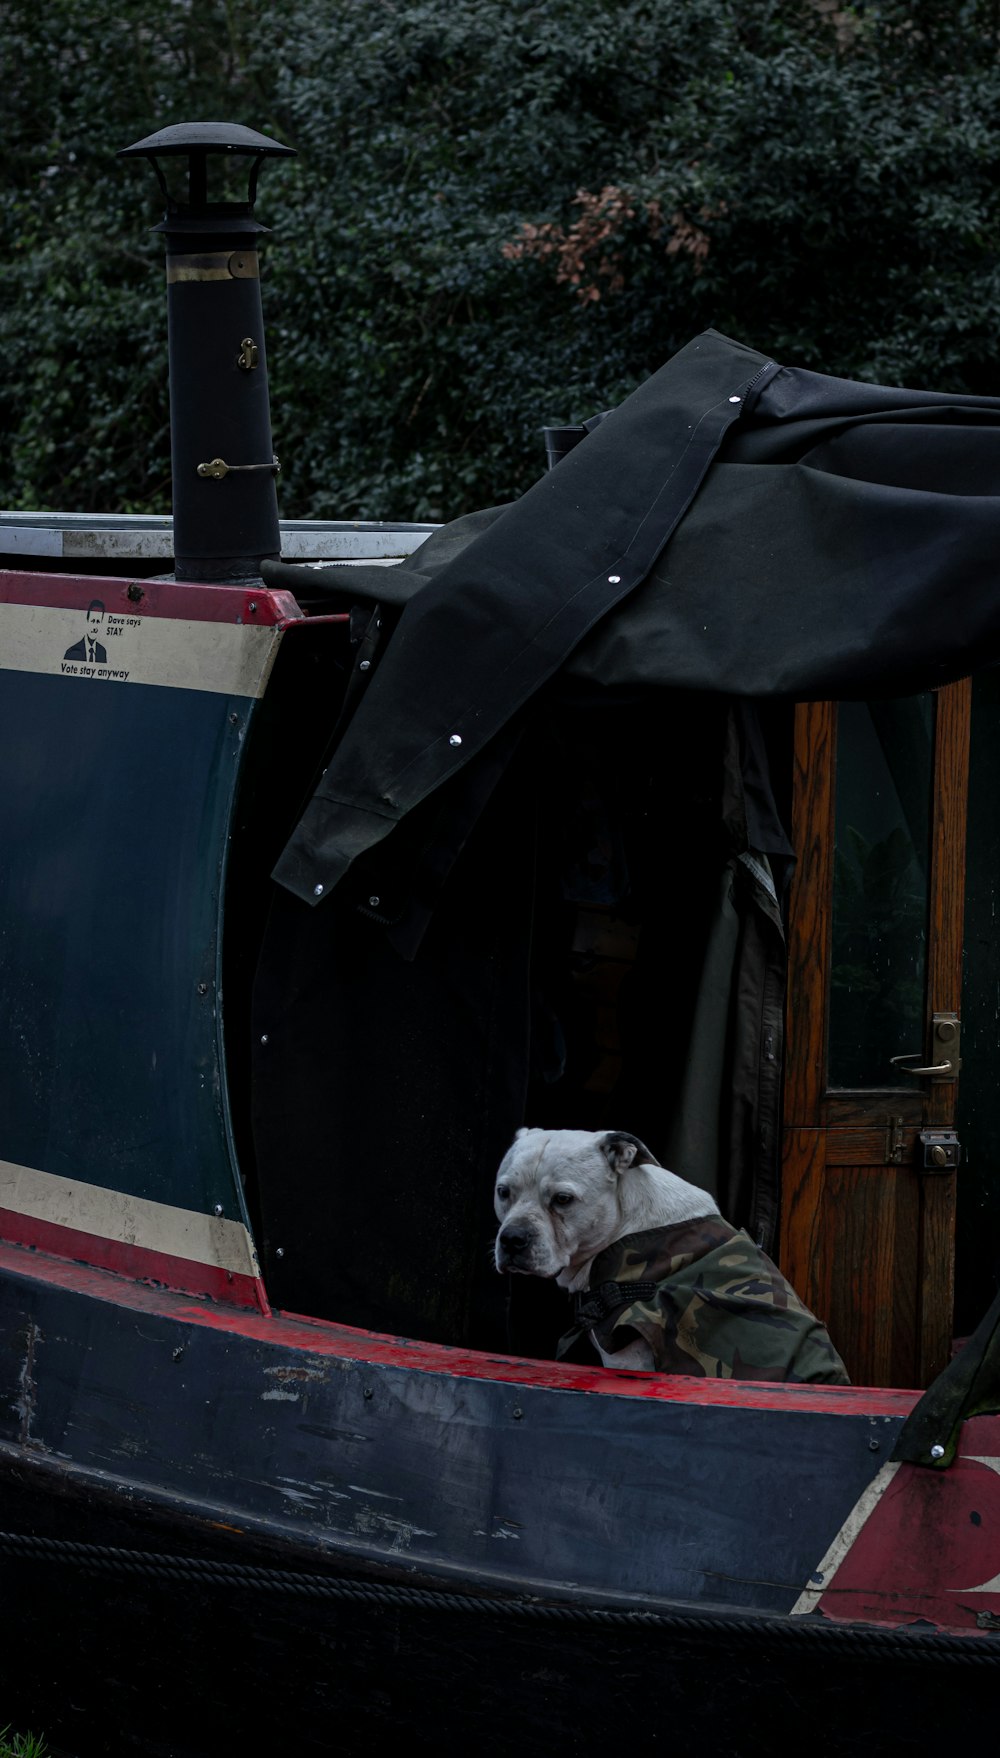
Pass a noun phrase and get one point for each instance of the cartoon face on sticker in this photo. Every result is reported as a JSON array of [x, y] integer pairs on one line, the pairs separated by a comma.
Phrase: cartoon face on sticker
[[89, 648]]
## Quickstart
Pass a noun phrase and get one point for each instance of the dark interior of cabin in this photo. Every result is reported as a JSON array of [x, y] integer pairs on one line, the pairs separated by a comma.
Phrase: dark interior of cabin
[[569, 958]]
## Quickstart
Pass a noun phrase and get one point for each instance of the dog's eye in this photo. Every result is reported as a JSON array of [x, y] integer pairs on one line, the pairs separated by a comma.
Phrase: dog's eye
[[502, 1192], [561, 1199]]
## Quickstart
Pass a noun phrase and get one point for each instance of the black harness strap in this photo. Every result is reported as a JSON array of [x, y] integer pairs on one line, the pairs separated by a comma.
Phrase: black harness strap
[[594, 1304]]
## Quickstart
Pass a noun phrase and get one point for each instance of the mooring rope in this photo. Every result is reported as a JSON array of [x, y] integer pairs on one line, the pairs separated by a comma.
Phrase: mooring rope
[[860, 1641]]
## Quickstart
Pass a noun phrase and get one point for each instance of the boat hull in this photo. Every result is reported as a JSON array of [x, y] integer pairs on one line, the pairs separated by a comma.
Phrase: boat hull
[[290, 1527], [620, 1489]]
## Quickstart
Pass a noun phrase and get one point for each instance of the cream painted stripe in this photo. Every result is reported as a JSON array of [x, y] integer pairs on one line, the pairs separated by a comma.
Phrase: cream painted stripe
[[863, 1508], [128, 1220], [228, 659]]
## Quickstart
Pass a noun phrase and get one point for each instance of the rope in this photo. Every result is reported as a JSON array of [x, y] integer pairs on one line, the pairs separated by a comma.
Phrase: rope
[[861, 1641]]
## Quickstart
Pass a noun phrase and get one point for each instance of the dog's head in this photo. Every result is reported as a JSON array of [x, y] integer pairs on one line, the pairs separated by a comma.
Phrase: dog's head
[[558, 1198]]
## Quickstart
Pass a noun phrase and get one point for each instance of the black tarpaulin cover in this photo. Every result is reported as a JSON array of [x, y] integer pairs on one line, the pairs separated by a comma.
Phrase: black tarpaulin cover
[[733, 527]]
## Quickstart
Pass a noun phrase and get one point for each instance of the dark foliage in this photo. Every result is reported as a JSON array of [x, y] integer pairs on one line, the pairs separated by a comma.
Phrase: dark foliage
[[505, 212]]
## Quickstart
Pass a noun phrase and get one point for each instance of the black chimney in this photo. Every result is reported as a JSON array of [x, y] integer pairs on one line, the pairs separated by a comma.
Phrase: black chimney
[[224, 496]]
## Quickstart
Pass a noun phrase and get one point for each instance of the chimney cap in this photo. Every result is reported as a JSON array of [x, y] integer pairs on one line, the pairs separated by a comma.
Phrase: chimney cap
[[187, 137]]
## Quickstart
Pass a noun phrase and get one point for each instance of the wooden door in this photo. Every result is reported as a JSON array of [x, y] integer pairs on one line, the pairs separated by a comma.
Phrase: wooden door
[[875, 954]]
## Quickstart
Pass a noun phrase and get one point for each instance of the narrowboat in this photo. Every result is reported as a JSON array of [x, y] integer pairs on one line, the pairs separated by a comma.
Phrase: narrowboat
[[661, 799]]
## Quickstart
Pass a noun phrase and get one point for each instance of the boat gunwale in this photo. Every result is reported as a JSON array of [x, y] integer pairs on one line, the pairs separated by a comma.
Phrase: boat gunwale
[[333, 1341]]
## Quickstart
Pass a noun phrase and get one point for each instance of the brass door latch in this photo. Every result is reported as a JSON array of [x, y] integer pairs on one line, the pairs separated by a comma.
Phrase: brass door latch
[[942, 1150]]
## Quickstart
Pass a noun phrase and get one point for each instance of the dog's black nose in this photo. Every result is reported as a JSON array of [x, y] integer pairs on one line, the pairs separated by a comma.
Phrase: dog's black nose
[[512, 1242]]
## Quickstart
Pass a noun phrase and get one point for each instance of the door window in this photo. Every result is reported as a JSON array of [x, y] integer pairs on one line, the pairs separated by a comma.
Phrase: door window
[[878, 968]]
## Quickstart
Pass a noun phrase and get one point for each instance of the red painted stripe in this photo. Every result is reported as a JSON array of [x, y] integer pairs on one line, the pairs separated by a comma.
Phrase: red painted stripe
[[136, 1262], [160, 598], [342, 1342]]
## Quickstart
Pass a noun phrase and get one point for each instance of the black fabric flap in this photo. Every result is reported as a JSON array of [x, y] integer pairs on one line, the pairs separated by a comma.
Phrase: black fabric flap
[[501, 616]]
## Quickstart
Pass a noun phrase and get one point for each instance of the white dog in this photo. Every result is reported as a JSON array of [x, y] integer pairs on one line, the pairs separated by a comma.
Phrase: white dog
[[648, 1255]]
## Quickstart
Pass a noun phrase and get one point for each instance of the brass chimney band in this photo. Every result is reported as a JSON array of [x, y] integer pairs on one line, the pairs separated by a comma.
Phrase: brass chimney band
[[214, 265]]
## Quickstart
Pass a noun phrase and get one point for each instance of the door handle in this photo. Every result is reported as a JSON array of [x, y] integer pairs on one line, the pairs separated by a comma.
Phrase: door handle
[[907, 1064], [945, 1041]]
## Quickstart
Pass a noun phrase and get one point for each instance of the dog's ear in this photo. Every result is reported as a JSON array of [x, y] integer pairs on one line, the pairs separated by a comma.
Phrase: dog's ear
[[524, 1130], [622, 1151]]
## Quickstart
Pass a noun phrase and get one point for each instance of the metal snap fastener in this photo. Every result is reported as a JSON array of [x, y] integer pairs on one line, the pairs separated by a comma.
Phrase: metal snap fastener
[[317, 890], [456, 739]]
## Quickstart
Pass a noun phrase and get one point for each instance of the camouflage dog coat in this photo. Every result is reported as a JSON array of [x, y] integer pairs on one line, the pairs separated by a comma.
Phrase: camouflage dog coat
[[708, 1302]]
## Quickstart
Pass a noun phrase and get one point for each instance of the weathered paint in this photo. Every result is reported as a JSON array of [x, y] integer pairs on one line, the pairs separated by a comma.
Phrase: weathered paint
[[151, 598], [808, 1600], [111, 1230], [482, 1470], [923, 1545], [321, 1339]]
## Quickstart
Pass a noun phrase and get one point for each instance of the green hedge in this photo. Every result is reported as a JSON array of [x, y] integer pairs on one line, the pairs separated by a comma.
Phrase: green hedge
[[504, 213]]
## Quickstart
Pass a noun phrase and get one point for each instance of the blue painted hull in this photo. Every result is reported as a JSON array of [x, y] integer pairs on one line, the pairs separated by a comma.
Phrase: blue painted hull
[[473, 1481]]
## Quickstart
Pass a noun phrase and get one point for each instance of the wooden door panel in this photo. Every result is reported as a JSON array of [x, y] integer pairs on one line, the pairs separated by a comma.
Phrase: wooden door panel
[[872, 1220], [814, 755], [866, 1234], [888, 1143], [947, 897], [807, 1266], [855, 1260]]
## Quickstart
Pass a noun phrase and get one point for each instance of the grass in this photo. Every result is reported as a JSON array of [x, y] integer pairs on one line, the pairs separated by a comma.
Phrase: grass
[[21, 1745]]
